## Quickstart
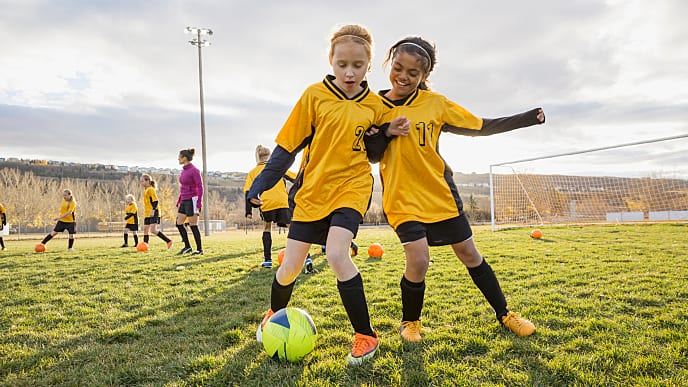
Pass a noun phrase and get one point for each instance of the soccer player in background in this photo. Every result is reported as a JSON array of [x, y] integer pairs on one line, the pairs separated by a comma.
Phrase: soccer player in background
[[131, 220], [429, 211], [275, 207], [334, 185], [151, 213], [66, 220], [3, 223], [189, 202]]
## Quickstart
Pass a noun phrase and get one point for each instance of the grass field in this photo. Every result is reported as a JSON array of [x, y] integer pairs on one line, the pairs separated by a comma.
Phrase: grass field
[[609, 302]]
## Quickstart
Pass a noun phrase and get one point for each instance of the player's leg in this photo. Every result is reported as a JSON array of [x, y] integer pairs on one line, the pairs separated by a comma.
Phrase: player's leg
[[179, 222], [485, 279], [267, 245], [126, 237], [343, 228], [285, 278], [413, 238]]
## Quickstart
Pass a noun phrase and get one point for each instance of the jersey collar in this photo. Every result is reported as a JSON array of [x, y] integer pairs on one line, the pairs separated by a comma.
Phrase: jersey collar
[[329, 83], [399, 102]]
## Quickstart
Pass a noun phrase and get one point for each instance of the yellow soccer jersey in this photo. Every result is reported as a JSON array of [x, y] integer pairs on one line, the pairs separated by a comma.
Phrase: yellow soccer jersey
[[335, 168], [2, 209], [274, 198], [132, 208], [412, 170], [149, 196], [68, 206]]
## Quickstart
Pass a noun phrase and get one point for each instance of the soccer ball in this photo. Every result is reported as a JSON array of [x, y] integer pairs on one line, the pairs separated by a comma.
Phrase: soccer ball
[[375, 250], [289, 335], [142, 247], [280, 256], [536, 234], [39, 248]]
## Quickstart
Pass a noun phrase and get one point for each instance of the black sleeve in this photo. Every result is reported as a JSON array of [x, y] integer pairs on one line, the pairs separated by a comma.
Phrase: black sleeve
[[4, 219], [247, 206], [376, 144], [129, 215], [274, 170], [499, 125], [155, 205]]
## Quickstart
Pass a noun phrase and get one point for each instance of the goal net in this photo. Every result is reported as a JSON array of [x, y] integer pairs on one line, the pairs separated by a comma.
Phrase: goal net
[[636, 182]]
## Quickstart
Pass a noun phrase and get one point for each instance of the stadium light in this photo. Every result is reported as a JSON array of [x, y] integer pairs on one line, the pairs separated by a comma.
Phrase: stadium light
[[202, 43]]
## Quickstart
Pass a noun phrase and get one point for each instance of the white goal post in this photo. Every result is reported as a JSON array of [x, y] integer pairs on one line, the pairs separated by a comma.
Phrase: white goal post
[[645, 181]]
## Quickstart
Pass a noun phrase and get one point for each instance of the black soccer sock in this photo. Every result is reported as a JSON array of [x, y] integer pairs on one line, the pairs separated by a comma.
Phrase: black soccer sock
[[267, 245], [46, 239], [412, 295], [71, 243], [197, 237], [184, 235], [146, 238], [2, 243], [163, 236], [126, 238], [353, 298], [280, 295], [484, 278], [136, 239]]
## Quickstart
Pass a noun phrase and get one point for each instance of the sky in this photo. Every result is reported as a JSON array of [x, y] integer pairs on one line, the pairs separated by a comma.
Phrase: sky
[[116, 82]]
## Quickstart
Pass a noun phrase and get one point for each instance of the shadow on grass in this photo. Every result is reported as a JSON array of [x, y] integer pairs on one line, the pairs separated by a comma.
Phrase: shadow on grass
[[205, 337]]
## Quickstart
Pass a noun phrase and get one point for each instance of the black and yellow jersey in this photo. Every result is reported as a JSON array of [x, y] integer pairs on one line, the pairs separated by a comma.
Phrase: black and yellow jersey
[[417, 184], [68, 206], [3, 216], [131, 212], [2, 209], [330, 128], [150, 196], [274, 198]]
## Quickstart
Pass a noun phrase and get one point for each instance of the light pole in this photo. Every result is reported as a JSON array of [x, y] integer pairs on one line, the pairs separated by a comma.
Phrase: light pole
[[202, 43]]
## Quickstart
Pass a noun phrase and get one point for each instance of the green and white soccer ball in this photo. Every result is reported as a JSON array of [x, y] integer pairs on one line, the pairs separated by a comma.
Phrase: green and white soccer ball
[[289, 334]]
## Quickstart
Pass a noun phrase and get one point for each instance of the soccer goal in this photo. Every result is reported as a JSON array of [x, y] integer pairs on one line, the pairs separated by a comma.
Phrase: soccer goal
[[644, 181]]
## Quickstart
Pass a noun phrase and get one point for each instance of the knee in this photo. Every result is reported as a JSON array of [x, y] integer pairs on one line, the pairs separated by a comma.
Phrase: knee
[[287, 272]]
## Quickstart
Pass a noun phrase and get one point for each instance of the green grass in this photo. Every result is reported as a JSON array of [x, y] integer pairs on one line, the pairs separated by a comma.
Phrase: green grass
[[609, 303]]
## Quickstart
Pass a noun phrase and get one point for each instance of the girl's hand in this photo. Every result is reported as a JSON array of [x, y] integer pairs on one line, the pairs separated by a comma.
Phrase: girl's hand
[[372, 131], [256, 202], [541, 116], [398, 127]]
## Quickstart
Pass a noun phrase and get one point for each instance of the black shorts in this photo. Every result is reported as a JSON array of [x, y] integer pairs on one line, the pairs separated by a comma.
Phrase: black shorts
[[151, 220], [132, 227], [186, 207], [69, 226], [446, 232], [316, 232], [280, 216]]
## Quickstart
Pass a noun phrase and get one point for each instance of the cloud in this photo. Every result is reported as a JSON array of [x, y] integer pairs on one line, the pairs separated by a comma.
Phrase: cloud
[[118, 81]]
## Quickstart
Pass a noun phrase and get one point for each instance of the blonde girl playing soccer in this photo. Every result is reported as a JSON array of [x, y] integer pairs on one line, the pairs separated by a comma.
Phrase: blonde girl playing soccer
[[131, 220], [334, 185], [66, 220], [275, 207], [151, 211]]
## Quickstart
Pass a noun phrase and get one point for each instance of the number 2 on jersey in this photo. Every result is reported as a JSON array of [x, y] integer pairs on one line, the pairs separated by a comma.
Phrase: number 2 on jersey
[[358, 143]]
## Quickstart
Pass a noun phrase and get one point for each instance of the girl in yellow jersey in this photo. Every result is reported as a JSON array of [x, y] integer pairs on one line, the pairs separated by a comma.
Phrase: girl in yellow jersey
[[3, 223], [66, 220], [151, 213], [420, 199], [131, 220], [275, 207], [334, 184]]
